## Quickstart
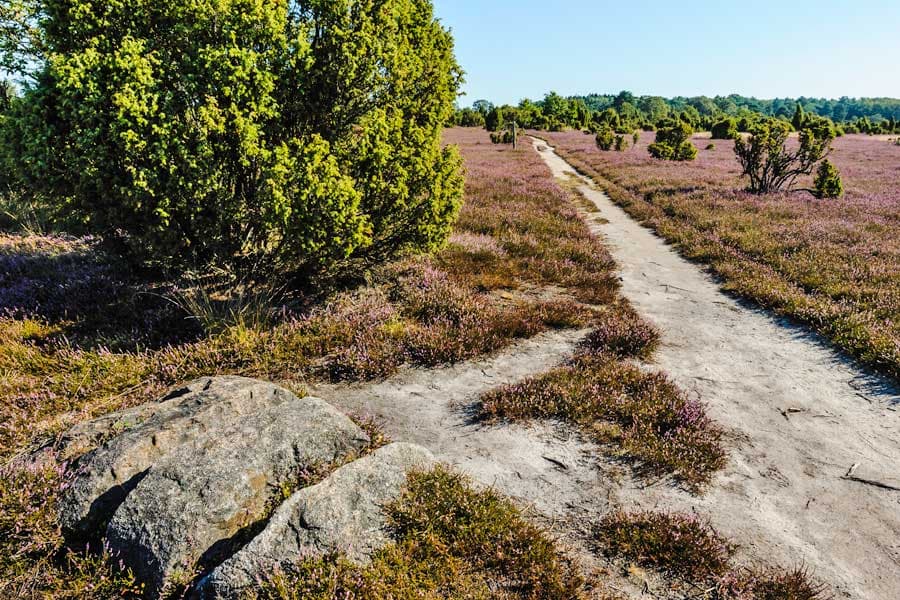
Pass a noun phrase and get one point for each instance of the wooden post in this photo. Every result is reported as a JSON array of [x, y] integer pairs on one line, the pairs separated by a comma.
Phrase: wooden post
[[515, 132]]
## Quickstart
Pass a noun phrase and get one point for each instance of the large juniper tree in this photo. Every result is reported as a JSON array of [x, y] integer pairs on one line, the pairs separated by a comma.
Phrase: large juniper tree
[[294, 136]]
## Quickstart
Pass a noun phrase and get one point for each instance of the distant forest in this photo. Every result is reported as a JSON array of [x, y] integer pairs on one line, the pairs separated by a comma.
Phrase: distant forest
[[853, 115]]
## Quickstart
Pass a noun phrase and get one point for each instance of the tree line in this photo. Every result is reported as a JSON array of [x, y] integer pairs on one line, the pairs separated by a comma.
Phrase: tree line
[[626, 112]]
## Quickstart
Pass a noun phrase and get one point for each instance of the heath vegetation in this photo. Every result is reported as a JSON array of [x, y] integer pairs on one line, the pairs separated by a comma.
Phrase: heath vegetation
[[271, 189], [828, 263]]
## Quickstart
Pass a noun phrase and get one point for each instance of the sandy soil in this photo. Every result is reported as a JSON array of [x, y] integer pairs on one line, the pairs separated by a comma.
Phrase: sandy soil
[[544, 466], [551, 471], [801, 417]]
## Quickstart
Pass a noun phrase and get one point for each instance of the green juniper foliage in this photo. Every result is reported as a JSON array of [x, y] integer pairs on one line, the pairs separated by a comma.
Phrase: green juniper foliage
[[799, 118], [771, 166], [673, 142], [827, 183], [606, 137], [293, 137], [493, 120], [726, 129]]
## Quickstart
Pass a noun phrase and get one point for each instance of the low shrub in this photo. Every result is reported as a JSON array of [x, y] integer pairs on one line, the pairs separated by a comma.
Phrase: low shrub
[[681, 545], [827, 183], [771, 584], [688, 548], [606, 137], [621, 144], [502, 137], [34, 560], [450, 540], [673, 142], [654, 423], [726, 129], [623, 332]]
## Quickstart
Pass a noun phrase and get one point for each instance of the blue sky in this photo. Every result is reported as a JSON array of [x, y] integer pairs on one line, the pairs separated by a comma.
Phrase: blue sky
[[764, 48]]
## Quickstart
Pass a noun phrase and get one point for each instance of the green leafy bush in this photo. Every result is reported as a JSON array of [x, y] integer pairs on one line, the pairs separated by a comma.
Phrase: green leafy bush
[[289, 138], [673, 142], [502, 137], [827, 183], [726, 129], [770, 165], [621, 144], [606, 137], [493, 120]]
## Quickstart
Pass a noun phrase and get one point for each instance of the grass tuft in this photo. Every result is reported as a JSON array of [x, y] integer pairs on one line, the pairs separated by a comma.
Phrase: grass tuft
[[653, 421], [771, 584], [623, 333], [681, 545], [688, 548]]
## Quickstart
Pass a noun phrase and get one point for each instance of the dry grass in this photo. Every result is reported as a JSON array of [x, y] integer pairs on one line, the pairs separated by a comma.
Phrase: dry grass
[[450, 541], [687, 548]]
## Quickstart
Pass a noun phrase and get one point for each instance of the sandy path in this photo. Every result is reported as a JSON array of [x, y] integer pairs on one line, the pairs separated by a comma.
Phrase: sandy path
[[800, 413], [544, 466]]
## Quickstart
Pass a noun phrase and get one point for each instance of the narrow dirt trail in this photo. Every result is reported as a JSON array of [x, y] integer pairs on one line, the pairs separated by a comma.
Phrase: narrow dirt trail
[[799, 414]]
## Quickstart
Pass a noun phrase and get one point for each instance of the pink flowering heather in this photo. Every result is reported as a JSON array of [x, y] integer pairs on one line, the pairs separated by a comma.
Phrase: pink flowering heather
[[682, 545], [830, 263], [658, 426]]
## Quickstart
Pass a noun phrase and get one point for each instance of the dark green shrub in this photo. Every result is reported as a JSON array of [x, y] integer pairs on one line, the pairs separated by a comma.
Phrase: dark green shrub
[[493, 120], [635, 138], [197, 133], [502, 137], [710, 146], [606, 137], [770, 165], [673, 142], [468, 117], [621, 144], [827, 183], [726, 129], [799, 119]]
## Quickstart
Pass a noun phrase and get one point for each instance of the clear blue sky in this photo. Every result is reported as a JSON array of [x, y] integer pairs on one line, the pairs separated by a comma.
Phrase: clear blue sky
[[512, 49]]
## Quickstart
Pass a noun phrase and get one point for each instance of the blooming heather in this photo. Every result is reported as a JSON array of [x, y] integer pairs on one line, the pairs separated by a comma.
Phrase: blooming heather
[[834, 264]]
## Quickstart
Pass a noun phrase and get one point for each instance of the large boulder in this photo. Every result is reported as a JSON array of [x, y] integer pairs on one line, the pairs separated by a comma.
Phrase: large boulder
[[344, 513], [203, 497], [131, 441]]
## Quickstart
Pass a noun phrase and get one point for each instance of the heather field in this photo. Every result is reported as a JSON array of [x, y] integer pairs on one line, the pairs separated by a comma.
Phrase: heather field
[[306, 300], [81, 335], [831, 264]]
